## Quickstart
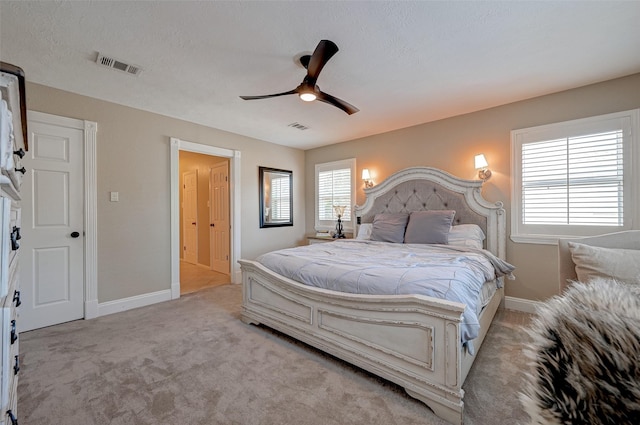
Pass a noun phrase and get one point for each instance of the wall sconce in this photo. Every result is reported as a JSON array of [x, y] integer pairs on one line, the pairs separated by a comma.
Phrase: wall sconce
[[481, 164], [368, 183]]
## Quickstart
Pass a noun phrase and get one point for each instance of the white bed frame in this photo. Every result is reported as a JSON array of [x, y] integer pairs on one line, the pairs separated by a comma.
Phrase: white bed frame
[[411, 340]]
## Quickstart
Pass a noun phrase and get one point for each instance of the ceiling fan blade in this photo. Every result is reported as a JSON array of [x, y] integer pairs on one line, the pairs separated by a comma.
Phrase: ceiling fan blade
[[266, 96], [338, 103], [321, 55]]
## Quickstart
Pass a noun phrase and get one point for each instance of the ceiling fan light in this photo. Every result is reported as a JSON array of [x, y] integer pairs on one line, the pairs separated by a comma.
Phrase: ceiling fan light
[[308, 97]]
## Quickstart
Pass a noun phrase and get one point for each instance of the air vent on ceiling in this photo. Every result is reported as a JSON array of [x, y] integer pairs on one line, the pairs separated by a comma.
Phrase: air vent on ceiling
[[119, 65], [298, 126]]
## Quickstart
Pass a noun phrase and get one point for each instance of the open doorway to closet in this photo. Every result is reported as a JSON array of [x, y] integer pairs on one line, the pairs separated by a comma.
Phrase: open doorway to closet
[[204, 221]]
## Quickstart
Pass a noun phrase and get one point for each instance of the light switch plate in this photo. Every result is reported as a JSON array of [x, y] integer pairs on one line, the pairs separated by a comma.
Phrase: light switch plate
[[114, 196]]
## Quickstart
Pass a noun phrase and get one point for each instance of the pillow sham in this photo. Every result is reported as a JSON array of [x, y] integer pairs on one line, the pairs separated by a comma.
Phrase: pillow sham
[[429, 227], [467, 235], [389, 227], [593, 262], [364, 231]]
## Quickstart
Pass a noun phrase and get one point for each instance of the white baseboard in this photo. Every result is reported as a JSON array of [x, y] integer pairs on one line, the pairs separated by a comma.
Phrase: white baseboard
[[237, 277], [91, 309], [175, 290], [125, 304], [521, 304]]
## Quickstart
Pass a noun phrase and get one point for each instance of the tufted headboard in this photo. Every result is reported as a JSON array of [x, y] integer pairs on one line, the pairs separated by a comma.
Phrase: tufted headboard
[[426, 188]]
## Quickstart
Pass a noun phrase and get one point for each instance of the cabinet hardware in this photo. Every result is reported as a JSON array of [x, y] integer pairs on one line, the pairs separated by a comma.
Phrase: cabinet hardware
[[15, 236], [16, 366], [20, 152], [14, 333], [212, 225], [14, 420], [21, 170], [16, 298]]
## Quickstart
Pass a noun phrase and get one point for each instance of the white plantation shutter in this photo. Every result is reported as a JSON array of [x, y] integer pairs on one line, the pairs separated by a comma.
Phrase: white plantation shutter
[[574, 178], [574, 181], [334, 186], [280, 199]]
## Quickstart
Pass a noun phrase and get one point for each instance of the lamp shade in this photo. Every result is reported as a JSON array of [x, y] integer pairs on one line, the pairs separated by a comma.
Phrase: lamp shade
[[481, 161], [339, 209], [365, 174]]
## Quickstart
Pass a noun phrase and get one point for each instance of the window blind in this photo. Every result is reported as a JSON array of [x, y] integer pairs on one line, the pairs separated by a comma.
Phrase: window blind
[[574, 180], [334, 188]]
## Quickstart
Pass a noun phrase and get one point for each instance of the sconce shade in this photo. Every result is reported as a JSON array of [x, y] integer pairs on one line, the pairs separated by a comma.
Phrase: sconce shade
[[481, 162], [365, 174]]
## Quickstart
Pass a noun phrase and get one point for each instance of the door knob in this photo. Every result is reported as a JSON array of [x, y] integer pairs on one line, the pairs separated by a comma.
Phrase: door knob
[[75, 234], [212, 225], [194, 223]]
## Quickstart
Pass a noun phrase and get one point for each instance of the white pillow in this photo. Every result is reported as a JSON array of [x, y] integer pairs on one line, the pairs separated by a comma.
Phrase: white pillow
[[364, 231], [593, 262], [466, 235]]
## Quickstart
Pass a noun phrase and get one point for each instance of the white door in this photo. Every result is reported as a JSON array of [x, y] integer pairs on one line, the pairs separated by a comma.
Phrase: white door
[[52, 249], [219, 216], [190, 217]]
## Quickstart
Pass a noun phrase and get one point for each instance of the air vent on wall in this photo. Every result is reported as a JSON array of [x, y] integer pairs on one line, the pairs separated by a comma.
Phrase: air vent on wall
[[298, 126], [117, 64]]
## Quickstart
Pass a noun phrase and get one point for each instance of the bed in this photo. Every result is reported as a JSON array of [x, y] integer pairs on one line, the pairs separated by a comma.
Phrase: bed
[[412, 340]]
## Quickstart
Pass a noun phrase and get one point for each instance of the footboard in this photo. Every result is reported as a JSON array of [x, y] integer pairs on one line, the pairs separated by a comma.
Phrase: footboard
[[413, 341]]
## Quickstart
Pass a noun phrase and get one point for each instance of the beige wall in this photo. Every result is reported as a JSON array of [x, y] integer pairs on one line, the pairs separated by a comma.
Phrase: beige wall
[[451, 144], [133, 159]]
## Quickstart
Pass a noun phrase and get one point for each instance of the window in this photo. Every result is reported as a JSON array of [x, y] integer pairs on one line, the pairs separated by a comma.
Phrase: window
[[574, 178], [335, 183], [281, 198]]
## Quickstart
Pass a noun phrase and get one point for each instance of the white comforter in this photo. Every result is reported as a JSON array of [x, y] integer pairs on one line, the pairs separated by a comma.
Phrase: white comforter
[[381, 268]]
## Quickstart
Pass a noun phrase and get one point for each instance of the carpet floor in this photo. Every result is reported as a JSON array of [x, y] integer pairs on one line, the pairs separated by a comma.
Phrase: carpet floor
[[193, 362]]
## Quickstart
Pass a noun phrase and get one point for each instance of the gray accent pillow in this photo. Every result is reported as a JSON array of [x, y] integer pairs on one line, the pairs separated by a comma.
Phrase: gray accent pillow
[[389, 227], [429, 226]]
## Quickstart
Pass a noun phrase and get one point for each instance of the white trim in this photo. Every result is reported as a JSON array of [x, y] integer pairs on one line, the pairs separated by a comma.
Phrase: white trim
[[90, 220], [90, 212], [535, 234], [175, 146], [521, 304], [124, 304]]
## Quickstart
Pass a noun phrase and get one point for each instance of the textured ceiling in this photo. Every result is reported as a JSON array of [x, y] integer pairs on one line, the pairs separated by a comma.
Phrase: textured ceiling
[[401, 63]]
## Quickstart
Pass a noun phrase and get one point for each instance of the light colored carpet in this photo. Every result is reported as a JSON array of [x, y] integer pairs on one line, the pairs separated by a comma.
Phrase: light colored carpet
[[192, 361]]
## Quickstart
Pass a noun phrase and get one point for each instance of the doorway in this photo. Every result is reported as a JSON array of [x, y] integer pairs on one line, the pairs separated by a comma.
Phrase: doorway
[[209, 155], [204, 214]]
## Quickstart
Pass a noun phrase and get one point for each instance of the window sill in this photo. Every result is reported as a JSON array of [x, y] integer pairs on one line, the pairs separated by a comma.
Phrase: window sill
[[537, 239]]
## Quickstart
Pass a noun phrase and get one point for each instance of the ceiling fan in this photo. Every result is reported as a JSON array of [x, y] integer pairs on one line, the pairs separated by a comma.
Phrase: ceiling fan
[[308, 90]]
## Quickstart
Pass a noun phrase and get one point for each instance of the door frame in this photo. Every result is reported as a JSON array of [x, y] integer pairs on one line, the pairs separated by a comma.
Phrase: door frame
[[175, 146], [90, 213]]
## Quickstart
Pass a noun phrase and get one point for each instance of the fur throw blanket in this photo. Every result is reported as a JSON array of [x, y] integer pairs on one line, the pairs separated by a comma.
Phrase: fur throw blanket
[[585, 357]]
